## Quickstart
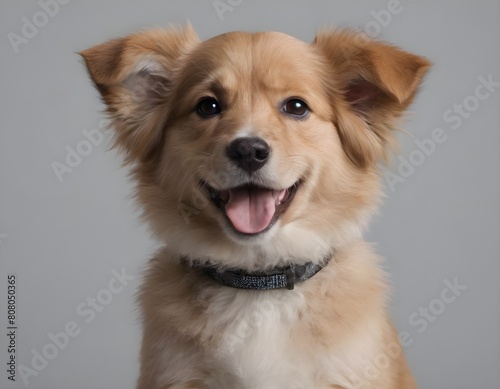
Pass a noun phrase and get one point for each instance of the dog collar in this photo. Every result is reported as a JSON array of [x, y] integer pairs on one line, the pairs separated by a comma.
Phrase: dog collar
[[278, 278]]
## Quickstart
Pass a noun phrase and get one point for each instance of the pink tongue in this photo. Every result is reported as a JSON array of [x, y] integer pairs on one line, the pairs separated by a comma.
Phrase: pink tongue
[[250, 210]]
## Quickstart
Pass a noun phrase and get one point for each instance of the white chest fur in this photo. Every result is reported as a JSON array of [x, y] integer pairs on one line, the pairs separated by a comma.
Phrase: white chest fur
[[255, 351], [258, 350]]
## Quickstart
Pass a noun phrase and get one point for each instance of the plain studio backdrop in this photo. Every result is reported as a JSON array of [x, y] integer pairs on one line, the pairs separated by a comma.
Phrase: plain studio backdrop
[[70, 235]]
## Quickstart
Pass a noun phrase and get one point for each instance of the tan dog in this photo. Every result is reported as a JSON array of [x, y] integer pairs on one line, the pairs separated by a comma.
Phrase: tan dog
[[255, 160]]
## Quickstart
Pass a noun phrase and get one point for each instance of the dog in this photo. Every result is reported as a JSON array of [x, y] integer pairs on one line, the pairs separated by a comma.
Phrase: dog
[[255, 157]]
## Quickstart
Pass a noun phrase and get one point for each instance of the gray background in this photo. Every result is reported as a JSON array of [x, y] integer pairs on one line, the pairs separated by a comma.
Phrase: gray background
[[63, 239]]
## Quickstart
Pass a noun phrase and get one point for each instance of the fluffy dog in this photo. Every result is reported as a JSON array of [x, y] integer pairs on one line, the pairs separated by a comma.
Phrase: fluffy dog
[[255, 161]]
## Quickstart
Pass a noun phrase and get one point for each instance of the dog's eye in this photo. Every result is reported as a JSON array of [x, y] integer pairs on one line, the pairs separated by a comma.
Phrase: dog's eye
[[296, 107], [208, 107]]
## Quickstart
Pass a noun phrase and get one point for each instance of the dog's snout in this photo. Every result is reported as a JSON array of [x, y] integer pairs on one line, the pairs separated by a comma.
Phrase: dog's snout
[[249, 153]]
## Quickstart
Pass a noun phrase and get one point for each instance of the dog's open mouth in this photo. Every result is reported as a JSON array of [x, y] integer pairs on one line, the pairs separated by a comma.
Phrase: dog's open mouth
[[252, 209]]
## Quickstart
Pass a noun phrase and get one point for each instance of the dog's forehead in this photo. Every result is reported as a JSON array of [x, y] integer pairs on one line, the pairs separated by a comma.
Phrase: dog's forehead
[[271, 59]]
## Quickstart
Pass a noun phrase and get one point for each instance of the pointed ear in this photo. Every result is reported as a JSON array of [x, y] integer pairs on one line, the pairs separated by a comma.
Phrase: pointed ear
[[373, 83], [135, 77]]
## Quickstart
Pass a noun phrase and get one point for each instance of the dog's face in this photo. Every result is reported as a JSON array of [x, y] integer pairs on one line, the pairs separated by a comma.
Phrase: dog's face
[[254, 148]]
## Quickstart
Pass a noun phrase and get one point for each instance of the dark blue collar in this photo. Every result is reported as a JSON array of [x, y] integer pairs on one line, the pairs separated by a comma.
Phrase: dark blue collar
[[278, 278]]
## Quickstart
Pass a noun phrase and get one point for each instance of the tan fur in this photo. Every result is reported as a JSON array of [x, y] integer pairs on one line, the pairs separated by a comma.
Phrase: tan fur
[[330, 331]]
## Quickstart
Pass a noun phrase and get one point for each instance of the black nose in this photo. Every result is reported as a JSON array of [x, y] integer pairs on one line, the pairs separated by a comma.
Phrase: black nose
[[249, 153]]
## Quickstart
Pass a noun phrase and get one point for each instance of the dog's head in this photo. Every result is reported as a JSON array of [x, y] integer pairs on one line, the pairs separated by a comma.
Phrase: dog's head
[[249, 149]]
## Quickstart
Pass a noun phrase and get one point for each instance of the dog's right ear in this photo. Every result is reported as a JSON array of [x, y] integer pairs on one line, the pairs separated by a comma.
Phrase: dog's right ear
[[135, 77], [377, 82]]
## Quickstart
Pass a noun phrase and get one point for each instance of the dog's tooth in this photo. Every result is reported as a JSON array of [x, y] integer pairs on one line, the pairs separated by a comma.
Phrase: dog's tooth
[[279, 195], [283, 195]]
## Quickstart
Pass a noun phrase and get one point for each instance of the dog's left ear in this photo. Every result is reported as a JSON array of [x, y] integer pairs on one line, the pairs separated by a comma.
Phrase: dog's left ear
[[135, 76], [376, 82]]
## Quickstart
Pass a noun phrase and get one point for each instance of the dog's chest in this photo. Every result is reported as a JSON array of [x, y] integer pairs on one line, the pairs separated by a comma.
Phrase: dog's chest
[[257, 349]]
